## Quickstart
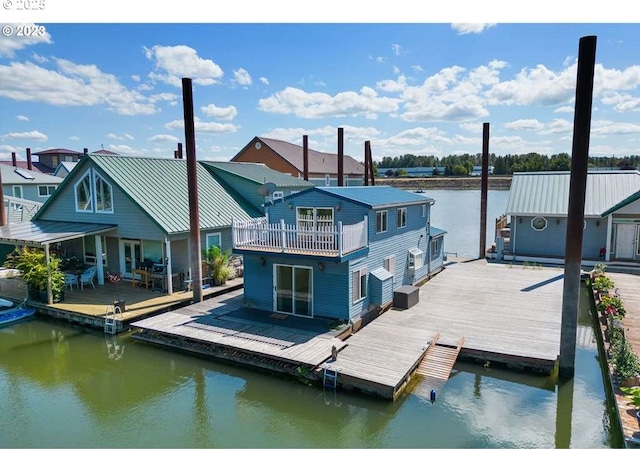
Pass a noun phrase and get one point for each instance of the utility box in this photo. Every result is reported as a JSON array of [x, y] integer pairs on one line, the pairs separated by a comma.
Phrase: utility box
[[406, 296]]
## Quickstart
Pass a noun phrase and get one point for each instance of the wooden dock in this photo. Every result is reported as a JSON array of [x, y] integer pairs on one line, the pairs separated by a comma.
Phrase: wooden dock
[[506, 314]]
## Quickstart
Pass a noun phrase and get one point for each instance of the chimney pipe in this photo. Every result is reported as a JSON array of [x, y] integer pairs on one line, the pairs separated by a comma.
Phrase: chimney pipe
[[340, 157], [14, 161], [175, 154], [366, 163], [305, 157], [371, 177], [29, 163], [86, 151], [179, 150]]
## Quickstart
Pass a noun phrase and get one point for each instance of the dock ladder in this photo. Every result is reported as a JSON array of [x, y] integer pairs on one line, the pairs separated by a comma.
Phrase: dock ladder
[[330, 376], [110, 323]]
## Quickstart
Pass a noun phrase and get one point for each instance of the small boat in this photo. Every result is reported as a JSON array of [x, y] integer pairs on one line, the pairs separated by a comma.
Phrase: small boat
[[5, 303], [15, 313]]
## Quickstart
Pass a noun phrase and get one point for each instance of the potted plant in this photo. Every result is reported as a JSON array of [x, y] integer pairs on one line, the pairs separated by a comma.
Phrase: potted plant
[[218, 263], [633, 394], [602, 284], [32, 264]]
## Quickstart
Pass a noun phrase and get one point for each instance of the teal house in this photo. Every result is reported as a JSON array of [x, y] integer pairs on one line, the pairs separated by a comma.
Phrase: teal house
[[337, 252], [123, 213]]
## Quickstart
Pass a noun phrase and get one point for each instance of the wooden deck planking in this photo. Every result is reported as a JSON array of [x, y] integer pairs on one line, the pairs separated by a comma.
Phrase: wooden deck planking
[[278, 341]]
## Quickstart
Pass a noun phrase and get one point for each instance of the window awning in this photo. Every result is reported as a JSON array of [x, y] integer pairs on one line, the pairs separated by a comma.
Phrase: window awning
[[42, 232], [416, 252]]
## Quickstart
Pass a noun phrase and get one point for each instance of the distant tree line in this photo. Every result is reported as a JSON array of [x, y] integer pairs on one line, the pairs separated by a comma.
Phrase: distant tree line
[[462, 164]]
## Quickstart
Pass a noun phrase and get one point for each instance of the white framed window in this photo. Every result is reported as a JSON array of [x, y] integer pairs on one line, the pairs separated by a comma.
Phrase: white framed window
[[424, 210], [104, 195], [17, 191], [82, 189], [435, 248], [90, 256], [389, 264], [45, 190], [539, 223], [402, 217], [213, 239], [359, 284], [277, 195], [381, 221]]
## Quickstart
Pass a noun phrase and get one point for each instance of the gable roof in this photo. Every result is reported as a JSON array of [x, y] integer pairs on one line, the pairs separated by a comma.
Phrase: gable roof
[[318, 162], [158, 187], [68, 166], [547, 193], [11, 175], [103, 151], [376, 197], [258, 173], [57, 151]]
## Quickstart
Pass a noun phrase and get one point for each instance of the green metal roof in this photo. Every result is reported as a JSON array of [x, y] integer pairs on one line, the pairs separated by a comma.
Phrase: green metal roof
[[159, 188], [258, 173], [547, 193]]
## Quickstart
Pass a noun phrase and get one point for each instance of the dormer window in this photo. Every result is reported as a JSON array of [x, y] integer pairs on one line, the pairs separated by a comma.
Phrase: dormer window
[[83, 194], [104, 194]]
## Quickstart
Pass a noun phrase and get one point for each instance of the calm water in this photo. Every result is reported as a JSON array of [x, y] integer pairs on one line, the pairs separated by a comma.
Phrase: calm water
[[62, 386]]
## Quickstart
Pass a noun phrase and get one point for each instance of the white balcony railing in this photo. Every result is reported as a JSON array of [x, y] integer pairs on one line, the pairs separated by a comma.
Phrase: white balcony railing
[[338, 240], [18, 210]]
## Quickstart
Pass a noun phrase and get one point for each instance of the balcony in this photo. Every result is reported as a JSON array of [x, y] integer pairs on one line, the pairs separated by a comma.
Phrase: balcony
[[330, 241]]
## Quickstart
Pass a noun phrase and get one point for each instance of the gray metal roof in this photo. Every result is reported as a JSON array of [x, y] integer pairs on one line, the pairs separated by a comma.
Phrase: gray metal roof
[[258, 173], [68, 166], [547, 193], [376, 197], [18, 175], [39, 232]]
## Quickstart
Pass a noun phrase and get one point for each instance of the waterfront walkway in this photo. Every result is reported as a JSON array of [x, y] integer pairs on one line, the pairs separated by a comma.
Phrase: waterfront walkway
[[506, 314]]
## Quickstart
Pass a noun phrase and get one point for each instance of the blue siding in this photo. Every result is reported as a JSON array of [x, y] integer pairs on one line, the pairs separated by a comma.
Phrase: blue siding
[[359, 308], [551, 241], [349, 213], [381, 291], [29, 192], [329, 285]]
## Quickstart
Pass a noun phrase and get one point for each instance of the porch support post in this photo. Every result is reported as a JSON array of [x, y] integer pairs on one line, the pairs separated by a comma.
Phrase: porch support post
[[48, 262], [233, 233], [283, 244], [340, 238], [607, 256], [167, 245], [99, 266], [366, 230]]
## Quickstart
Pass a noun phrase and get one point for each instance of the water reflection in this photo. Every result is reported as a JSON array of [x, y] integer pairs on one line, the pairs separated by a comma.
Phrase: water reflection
[[61, 386]]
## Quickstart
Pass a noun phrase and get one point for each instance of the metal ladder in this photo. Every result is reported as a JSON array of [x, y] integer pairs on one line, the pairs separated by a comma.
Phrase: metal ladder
[[110, 324], [330, 376]]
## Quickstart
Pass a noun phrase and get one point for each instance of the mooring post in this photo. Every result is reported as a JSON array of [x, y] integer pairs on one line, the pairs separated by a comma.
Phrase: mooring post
[[575, 217], [192, 182], [484, 185]]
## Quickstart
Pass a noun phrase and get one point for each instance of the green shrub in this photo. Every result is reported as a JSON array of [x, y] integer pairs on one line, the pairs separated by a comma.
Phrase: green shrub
[[633, 393], [626, 362], [602, 283]]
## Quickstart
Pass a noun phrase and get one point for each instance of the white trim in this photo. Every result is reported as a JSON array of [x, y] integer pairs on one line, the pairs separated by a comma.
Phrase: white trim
[[13, 191], [356, 285], [277, 195], [424, 210], [293, 286], [416, 255], [212, 234], [546, 223], [389, 264], [94, 186], [399, 213], [86, 174], [47, 186], [386, 221], [607, 256]]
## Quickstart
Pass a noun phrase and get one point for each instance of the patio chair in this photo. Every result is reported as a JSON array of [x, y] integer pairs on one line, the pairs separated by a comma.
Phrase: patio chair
[[87, 277], [70, 280]]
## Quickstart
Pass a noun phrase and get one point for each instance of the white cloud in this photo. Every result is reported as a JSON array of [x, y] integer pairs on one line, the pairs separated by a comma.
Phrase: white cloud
[[398, 85], [164, 138], [622, 102], [604, 128], [9, 45], [264, 80], [397, 49], [242, 77], [396, 70], [563, 109], [71, 85], [177, 62], [324, 138], [39, 58], [204, 127], [475, 127], [417, 68], [221, 113], [22, 118], [380, 59], [136, 78], [471, 28], [303, 104], [124, 136], [74, 138], [164, 96], [524, 124], [29, 135], [558, 126]]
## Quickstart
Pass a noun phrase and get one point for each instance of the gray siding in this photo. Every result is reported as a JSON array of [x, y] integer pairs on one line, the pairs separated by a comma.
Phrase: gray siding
[[29, 191], [132, 222], [551, 241], [180, 255]]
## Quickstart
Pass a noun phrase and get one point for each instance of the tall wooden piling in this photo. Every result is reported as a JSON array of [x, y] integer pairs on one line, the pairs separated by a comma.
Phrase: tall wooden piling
[[484, 186]]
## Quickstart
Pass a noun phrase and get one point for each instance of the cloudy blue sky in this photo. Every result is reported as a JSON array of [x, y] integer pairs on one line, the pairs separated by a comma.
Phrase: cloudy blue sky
[[408, 88]]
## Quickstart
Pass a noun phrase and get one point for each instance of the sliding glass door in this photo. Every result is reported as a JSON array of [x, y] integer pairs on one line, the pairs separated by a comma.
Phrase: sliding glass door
[[293, 290]]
